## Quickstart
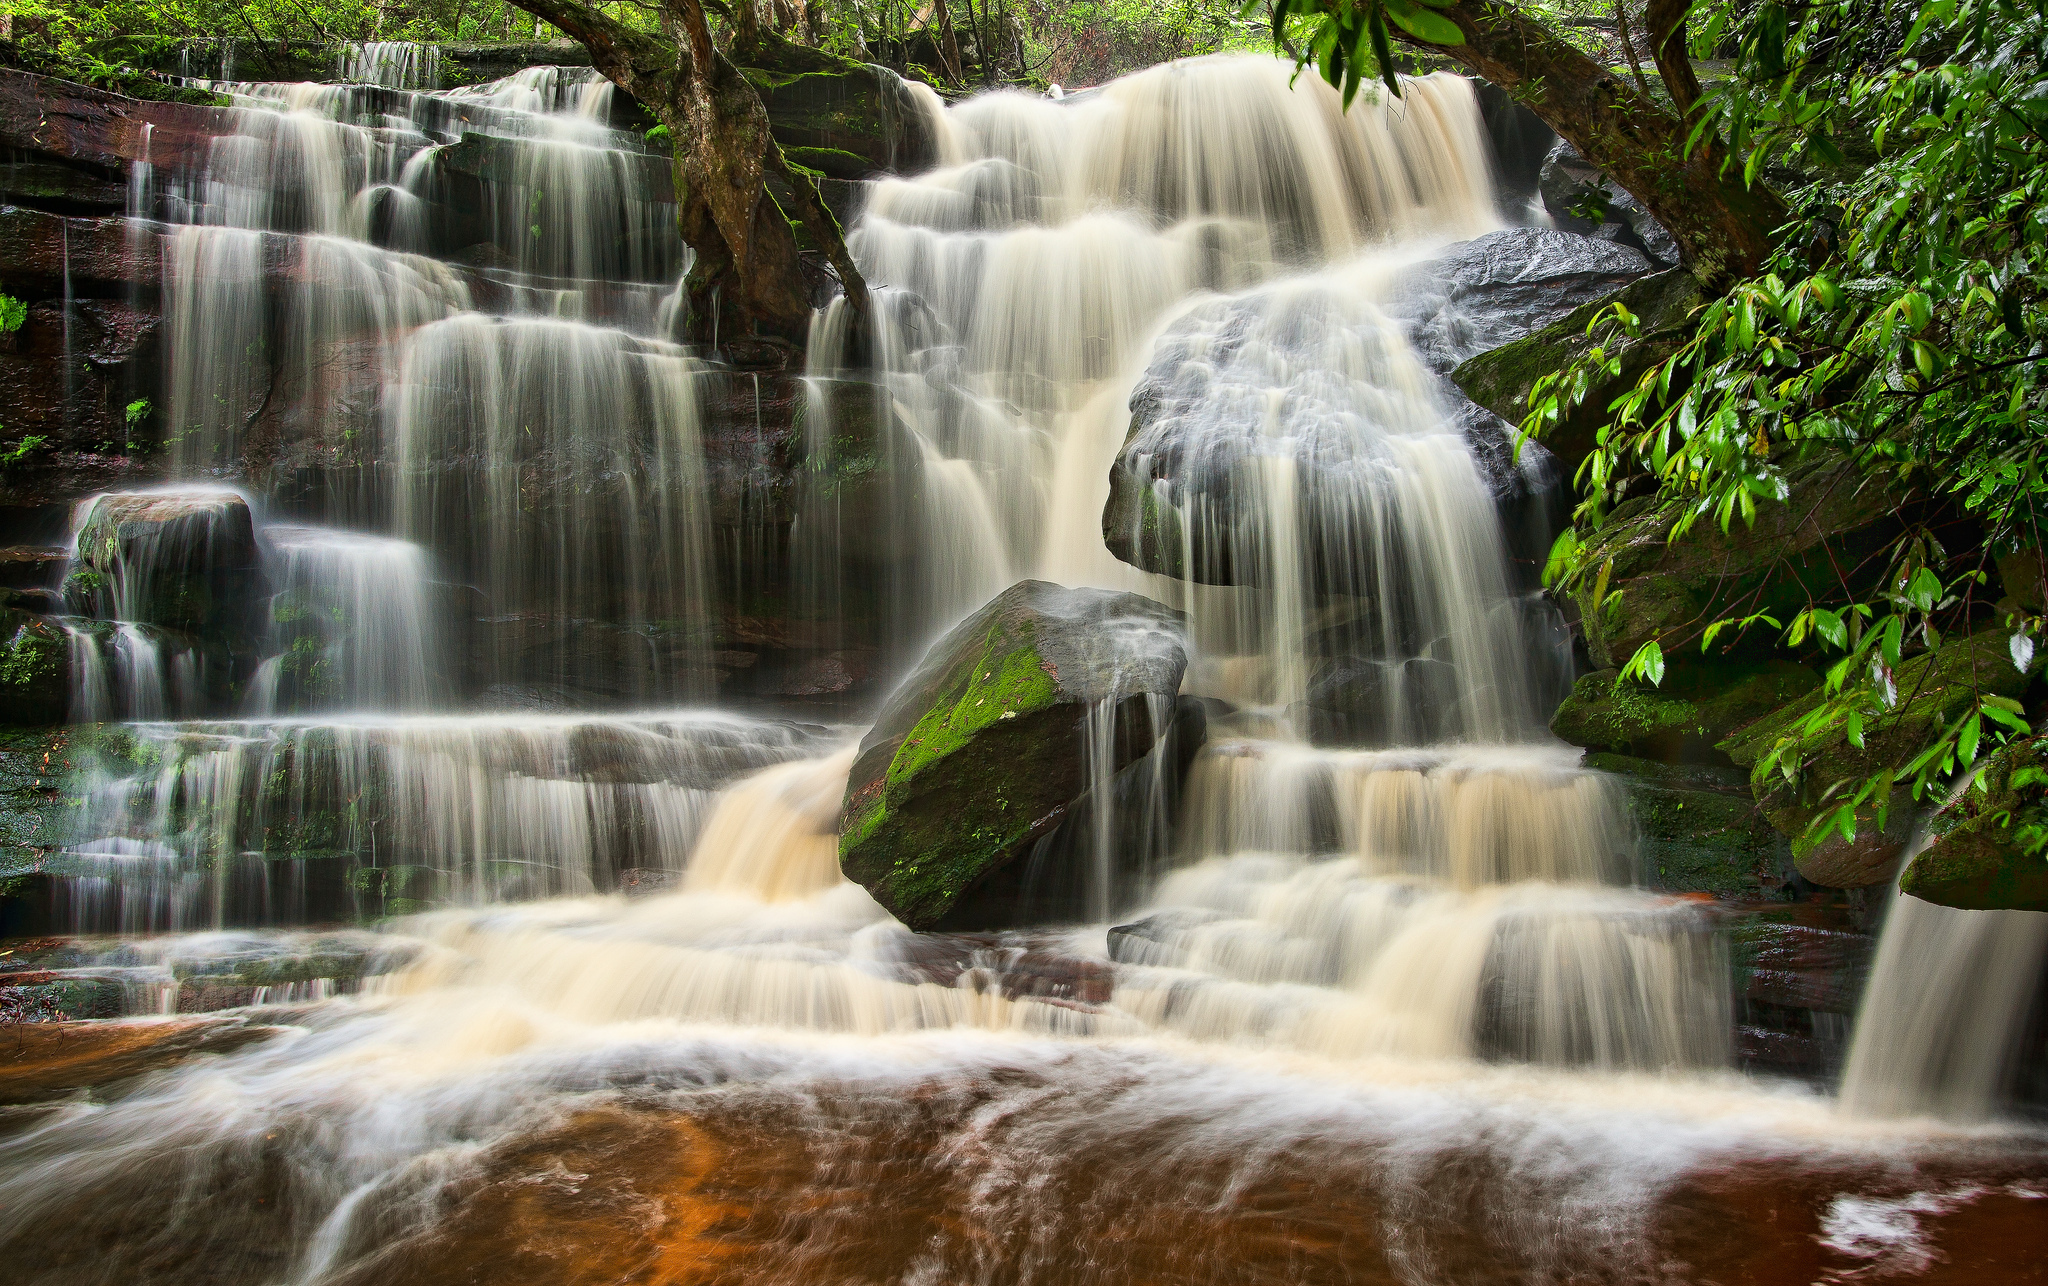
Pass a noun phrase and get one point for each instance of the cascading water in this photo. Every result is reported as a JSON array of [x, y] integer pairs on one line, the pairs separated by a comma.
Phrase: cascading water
[[1396, 956]]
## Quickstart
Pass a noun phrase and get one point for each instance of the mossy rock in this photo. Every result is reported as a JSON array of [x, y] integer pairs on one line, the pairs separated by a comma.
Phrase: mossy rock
[[847, 119], [1500, 379], [1669, 590], [1975, 860], [1933, 687], [35, 669], [984, 748], [1700, 830], [182, 559], [1681, 721]]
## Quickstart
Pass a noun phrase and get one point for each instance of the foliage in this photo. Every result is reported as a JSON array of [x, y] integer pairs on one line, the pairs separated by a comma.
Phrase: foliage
[[1900, 321], [1348, 42]]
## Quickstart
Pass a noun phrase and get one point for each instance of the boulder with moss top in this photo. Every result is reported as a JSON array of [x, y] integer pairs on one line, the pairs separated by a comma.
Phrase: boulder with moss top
[[1933, 687], [984, 749], [1988, 849]]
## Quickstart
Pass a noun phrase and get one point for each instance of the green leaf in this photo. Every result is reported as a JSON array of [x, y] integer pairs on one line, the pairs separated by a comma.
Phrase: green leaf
[[1647, 663], [1422, 24]]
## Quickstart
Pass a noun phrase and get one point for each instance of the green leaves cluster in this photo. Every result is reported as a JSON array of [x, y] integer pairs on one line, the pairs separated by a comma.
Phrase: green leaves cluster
[[1901, 322], [1348, 40]]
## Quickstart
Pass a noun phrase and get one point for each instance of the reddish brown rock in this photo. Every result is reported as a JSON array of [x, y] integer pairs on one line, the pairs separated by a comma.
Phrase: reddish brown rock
[[41, 1061]]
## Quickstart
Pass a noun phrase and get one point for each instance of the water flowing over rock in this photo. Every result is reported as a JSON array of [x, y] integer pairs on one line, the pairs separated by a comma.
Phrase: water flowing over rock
[[1008, 720]]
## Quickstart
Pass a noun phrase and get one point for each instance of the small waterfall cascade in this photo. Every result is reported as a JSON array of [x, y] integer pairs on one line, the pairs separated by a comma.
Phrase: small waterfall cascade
[[305, 820], [394, 64], [353, 620], [149, 572], [1948, 1003]]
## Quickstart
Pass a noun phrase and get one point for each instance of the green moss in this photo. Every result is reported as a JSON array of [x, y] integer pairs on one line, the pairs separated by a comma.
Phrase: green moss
[[1000, 687]]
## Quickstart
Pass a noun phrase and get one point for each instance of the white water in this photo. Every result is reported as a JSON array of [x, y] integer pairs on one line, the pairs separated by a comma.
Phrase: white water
[[1948, 1001]]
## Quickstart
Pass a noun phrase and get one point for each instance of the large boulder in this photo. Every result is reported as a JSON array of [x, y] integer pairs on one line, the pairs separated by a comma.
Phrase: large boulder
[[1493, 290], [182, 558], [985, 748], [1500, 379], [1579, 197], [1983, 852], [1933, 688]]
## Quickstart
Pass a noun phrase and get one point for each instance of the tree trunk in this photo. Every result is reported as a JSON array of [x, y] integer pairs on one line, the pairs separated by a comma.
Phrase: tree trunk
[[1723, 228], [748, 277], [1666, 22], [949, 45]]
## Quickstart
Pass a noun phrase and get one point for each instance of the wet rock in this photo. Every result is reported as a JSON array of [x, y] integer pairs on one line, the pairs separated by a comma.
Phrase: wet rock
[[185, 559], [1581, 198], [984, 748], [1699, 828], [32, 566], [1984, 854], [100, 134], [1500, 379], [1355, 700], [1699, 703], [35, 668], [1496, 289], [41, 1061], [1794, 553], [1932, 687], [1346, 385]]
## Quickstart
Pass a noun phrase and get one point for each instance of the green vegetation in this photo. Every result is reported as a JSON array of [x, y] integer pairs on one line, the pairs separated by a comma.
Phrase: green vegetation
[[1898, 325]]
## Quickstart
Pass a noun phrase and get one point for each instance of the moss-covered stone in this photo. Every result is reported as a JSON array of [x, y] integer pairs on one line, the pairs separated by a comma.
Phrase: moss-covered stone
[[1932, 687], [1682, 720], [1978, 858], [1500, 379], [984, 748], [1700, 829], [1640, 585]]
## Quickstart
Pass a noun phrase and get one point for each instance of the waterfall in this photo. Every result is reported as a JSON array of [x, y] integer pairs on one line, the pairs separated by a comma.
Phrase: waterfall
[[352, 622], [557, 467], [281, 821], [1364, 990], [1949, 999]]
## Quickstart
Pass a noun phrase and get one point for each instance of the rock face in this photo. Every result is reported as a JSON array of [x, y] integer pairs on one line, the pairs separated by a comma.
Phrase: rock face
[[1583, 199], [1500, 379], [1977, 859], [1698, 705], [1197, 414], [35, 668], [1701, 831], [984, 748], [1932, 688]]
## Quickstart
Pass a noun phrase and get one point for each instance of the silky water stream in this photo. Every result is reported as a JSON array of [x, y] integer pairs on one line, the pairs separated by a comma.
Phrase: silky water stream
[[1386, 1007]]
